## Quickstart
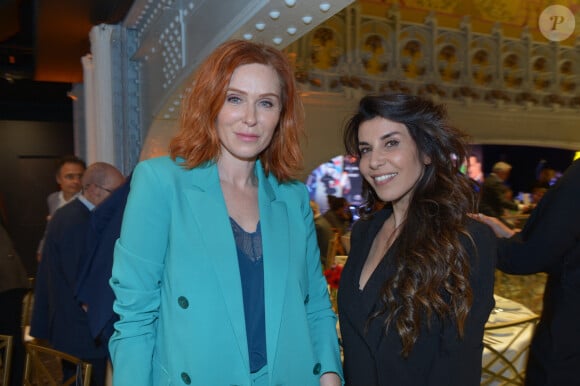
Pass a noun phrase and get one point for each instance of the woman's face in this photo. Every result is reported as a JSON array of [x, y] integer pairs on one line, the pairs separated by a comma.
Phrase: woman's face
[[250, 113], [390, 161]]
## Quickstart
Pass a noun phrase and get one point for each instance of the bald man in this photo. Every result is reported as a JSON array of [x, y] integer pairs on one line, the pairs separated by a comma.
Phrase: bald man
[[57, 316]]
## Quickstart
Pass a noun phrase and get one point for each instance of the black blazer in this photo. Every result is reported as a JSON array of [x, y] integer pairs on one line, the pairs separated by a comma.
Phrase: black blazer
[[550, 242], [438, 357]]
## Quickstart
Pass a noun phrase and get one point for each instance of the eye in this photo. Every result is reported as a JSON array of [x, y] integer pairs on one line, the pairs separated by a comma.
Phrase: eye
[[267, 104], [364, 149], [234, 99], [391, 143]]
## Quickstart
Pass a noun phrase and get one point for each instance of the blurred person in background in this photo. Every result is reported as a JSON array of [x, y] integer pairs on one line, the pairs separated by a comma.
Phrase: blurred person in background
[[69, 172], [338, 214], [93, 290], [475, 169], [496, 196], [57, 315], [69, 175], [324, 231]]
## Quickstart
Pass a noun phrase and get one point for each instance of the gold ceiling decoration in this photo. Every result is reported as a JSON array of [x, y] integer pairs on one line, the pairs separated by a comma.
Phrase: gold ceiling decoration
[[513, 15]]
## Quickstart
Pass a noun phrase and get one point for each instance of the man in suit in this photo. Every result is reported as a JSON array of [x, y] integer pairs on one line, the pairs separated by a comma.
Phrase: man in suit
[[69, 172], [550, 242], [57, 315], [69, 175], [93, 290], [494, 192]]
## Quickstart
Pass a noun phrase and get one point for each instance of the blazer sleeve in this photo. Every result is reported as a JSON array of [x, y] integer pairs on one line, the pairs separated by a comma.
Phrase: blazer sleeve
[[550, 232], [137, 274], [321, 317]]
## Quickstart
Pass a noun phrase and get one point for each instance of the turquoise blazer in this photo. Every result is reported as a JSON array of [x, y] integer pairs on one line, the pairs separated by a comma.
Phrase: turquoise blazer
[[178, 289]]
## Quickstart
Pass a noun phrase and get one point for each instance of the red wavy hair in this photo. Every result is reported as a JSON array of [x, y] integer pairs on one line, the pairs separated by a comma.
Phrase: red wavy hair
[[197, 141]]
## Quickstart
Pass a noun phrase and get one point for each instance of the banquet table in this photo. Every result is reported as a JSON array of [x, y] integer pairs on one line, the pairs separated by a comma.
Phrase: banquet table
[[507, 336]]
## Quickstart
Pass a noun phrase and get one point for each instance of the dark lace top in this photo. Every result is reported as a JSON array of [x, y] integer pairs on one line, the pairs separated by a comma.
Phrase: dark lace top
[[249, 248]]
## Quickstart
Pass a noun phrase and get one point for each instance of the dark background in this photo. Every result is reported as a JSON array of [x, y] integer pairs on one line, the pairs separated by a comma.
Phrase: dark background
[[35, 130], [524, 161]]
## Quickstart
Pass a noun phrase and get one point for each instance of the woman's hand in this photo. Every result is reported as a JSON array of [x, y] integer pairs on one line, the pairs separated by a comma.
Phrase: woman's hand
[[499, 228], [330, 379]]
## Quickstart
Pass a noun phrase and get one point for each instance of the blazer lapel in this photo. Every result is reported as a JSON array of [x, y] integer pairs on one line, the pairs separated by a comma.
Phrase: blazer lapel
[[209, 212], [276, 250]]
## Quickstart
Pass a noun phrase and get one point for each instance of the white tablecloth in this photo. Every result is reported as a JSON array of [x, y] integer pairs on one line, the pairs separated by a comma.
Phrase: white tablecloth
[[510, 341]]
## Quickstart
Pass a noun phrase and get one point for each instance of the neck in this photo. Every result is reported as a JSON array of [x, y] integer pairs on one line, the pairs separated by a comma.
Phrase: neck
[[68, 196], [399, 213], [239, 174]]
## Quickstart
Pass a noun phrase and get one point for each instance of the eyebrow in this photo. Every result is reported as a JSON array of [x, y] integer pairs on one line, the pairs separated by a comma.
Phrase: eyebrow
[[270, 94]]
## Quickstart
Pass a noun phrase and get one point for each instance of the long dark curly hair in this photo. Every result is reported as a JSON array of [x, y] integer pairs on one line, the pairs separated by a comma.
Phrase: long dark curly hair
[[432, 267]]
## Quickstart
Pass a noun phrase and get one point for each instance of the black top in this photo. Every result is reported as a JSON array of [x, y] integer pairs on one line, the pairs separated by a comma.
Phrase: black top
[[249, 247], [439, 357]]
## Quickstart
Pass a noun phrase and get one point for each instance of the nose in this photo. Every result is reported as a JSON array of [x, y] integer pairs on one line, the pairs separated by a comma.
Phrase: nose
[[377, 159], [250, 115]]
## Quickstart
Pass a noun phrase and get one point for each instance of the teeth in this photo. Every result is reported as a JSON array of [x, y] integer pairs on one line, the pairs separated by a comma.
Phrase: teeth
[[385, 177]]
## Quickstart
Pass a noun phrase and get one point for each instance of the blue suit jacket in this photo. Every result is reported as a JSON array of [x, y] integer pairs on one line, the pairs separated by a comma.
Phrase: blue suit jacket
[[178, 290], [95, 266], [57, 316]]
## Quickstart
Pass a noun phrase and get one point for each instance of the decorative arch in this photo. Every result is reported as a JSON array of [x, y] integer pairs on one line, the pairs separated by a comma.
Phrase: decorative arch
[[326, 48]]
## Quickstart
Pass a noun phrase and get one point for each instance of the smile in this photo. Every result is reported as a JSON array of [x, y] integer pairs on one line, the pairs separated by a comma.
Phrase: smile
[[384, 177]]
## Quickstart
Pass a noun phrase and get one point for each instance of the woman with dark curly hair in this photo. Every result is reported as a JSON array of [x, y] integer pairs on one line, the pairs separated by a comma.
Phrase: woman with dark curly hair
[[417, 287]]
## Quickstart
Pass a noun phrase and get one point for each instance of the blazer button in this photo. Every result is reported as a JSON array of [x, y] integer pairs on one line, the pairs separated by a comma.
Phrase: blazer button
[[316, 369], [185, 378], [307, 299], [183, 302]]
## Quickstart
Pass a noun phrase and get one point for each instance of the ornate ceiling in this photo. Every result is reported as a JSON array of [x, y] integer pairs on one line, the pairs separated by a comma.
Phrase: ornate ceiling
[[513, 15]]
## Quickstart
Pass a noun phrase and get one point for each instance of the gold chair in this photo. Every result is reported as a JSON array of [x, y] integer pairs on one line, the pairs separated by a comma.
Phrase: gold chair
[[28, 304], [5, 358], [37, 369], [508, 354], [333, 245]]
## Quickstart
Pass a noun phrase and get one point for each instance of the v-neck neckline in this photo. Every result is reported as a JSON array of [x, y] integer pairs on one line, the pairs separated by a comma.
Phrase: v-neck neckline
[[374, 228]]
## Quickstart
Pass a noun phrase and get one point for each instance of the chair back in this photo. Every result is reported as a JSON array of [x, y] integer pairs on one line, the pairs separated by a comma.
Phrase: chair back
[[28, 304], [39, 367], [506, 348], [333, 245], [5, 358]]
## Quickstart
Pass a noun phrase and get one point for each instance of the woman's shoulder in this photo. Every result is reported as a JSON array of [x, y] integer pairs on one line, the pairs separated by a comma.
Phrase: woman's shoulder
[[166, 167], [291, 188], [479, 230], [482, 244], [162, 162], [167, 174]]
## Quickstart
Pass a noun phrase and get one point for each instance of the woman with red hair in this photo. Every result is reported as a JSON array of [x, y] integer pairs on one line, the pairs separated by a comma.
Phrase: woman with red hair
[[217, 271]]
